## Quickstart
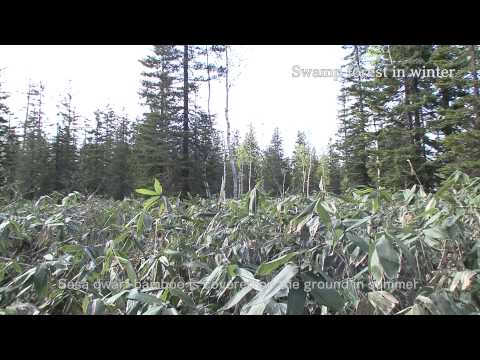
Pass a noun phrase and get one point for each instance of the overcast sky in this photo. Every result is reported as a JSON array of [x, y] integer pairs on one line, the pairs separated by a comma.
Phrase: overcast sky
[[263, 92]]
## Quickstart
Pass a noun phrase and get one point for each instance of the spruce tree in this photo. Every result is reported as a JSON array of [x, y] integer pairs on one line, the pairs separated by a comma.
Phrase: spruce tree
[[300, 164], [120, 182], [33, 159], [4, 136], [355, 123], [461, 143], [65, 147], [249, 155], [275, 167]]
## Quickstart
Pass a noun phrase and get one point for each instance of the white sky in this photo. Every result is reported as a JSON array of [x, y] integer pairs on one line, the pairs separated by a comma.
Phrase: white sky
[[263, 90]]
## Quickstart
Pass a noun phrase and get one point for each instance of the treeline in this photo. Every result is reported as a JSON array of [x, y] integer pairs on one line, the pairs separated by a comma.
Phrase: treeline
[[175, 141], [395, 131]]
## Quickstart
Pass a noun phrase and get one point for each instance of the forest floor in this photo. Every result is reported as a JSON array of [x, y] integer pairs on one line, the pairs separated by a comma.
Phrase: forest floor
[[368, 251]]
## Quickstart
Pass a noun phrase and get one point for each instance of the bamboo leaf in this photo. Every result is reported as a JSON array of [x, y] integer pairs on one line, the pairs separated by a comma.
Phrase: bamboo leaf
[[323, 292], [146, 192], [236, 298], [158, 187], [383, 301], [279, 282], [144, 298], [267, 267], [296, 302]]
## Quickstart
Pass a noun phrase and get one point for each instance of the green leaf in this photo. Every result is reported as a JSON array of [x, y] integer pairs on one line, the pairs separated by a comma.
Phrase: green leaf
[[96, 307], [434, 236], [172, 252], [306, 211], [40, 280], [276, 308], [405, 251], [416, 310], [430, 205], [436, 233], [113, 299], [303, 216], [212, 279], [279, 282], [154, 310], [2, 272], [144, 298], [296, 301], [147, 222], [146, 192], [236, 298], [383, 301], [384, 259], [252, 206], [169, 311], [161, 208], [232, 270], [375, 204], [374, 266], [323, 293], [164, 295], [150, 202], [85, 303], [434, 219], [358, 223], [463, 278], [187, 300], [25, 277], [323, 214], [128, 267], [140, 224], [158, 187], [267, 267], [257, 309], [249, 279]]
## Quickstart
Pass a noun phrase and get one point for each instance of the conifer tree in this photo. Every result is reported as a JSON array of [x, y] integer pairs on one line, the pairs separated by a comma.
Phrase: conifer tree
[[300, 164], [461, 140], [249, 155], [355, 124], [33, 159], [120, 182], [4, 136], [275, 167], [65, 147]]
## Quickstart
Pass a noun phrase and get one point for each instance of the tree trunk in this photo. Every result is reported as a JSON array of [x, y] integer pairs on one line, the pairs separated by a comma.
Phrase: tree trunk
[[445, 104], [408, 114], [26, 115], [185, 170], [224, 177], [230, 150], [208, 84], [249, 175], [207, 187], [363, 169], [377, 158], [476, 96], [304, 177], [308, 176], [240, 181], [418, 132]]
